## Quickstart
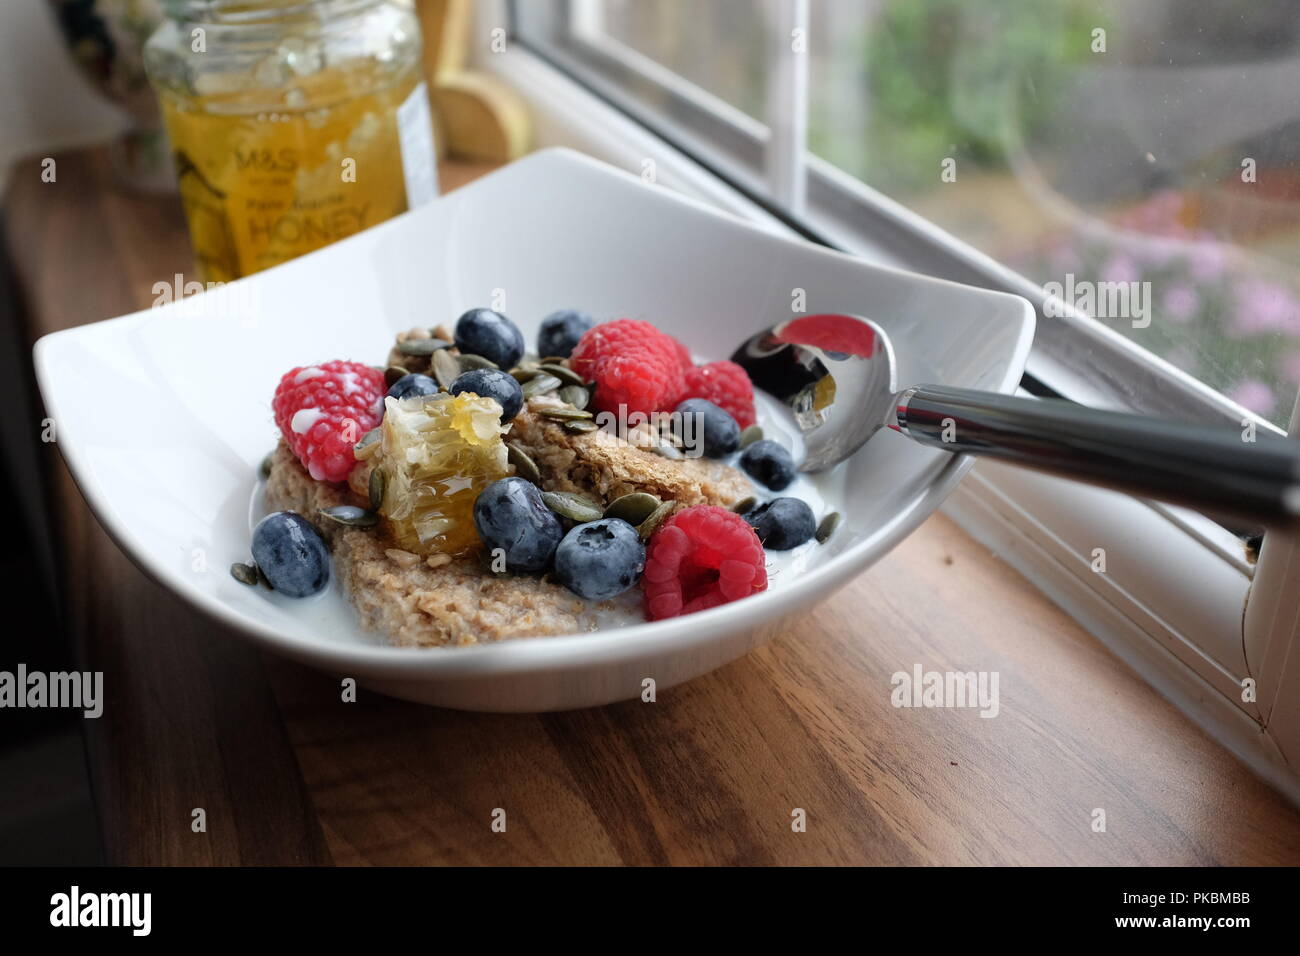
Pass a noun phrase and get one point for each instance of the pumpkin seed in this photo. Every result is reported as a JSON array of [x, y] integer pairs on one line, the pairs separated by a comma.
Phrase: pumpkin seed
[[565, 374], [523, 373], [445, 369], [525, 467], [633, 508], [664, 450], [244, 573], [744, 505], [578, 507], [469, 363], [264, 469], [378, 485], [750, 435], [555, 360], [575, 395], [368, 445], [648, 526], [350, 516], [827, 527], [422, 346], [393, 373], [580, 427], [564, 413], [540, 384]]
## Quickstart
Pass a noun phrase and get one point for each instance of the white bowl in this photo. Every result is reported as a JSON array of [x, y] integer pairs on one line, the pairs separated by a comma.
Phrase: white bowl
[[163, 416]]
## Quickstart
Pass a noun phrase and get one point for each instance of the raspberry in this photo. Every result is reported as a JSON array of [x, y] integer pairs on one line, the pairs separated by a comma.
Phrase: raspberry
[[323, 410], [632, 363], [726, 385], [699, 558]]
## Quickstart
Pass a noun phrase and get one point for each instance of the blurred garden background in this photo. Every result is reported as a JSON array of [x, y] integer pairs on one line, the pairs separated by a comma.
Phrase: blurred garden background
[[1171, 156]]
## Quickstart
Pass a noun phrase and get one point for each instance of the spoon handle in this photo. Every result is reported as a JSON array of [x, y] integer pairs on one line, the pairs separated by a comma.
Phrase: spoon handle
[[1207, 467]]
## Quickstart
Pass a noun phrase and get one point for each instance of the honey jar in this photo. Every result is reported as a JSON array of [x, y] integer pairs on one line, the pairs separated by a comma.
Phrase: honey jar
[[293, 123]]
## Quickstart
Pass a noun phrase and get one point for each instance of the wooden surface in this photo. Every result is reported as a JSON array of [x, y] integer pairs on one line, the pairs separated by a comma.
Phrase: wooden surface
[[710, 773]]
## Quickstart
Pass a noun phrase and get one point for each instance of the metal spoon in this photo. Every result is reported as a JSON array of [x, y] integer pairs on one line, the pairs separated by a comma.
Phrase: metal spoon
[[837, 373]]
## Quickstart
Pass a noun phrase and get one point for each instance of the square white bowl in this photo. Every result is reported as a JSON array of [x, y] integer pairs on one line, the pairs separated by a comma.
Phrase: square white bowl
[[164, 415]]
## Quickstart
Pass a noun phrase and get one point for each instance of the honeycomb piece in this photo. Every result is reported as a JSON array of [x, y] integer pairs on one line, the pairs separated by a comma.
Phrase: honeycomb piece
[[438, 452]]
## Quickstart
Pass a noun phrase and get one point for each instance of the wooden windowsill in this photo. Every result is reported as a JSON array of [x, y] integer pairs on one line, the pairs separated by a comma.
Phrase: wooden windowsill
[[708, 774]]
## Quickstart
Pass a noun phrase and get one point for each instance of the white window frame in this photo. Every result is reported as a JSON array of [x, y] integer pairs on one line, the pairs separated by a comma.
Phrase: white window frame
[[1171, 600]]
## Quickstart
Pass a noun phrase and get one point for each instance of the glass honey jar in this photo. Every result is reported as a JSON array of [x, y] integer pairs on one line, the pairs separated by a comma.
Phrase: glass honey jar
[[293, 123]]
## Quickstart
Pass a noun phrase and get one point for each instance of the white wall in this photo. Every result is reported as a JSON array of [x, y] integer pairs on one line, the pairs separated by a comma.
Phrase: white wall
[[45, 104]]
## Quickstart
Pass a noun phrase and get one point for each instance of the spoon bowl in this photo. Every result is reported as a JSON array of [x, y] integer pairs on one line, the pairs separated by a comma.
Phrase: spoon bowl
[[837, 373]]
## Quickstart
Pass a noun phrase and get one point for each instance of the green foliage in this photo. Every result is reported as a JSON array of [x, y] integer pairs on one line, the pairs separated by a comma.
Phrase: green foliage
[[943, 74]]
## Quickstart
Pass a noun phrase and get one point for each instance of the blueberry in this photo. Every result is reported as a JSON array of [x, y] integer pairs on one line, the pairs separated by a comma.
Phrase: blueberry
[[413, 384], [490, 383], [511, 515], [291, 553], [491, 335], [600, 559], [560, 332], [698, 422], [782, 523], [769, 463]]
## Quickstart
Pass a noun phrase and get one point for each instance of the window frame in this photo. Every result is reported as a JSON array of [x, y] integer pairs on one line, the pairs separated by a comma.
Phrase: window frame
[[1141, 613]]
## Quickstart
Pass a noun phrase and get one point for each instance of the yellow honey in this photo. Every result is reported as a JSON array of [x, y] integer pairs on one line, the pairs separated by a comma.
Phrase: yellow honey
[[438, 452], [297, 124]]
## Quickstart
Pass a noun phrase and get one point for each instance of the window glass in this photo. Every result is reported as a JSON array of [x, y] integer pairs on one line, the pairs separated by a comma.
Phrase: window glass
[[1139, 158], [718, 45]]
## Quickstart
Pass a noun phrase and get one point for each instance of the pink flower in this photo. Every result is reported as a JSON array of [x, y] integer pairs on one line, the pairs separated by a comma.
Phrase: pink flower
[[1207, 260], [1263, 307], [1159, 214], [1181, 302], [1120, 268], [1157, 253], [1254, 395]]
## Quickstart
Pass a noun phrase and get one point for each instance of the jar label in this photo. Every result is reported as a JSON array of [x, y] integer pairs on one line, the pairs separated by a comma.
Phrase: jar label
[[261, 188], [415, 136]]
